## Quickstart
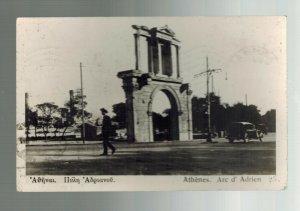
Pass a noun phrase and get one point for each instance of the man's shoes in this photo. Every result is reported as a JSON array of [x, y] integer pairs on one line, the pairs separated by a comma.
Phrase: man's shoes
[[103, 154], [113, 151]]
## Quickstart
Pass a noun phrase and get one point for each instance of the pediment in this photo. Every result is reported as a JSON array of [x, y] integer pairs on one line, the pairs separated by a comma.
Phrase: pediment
[[166, 30]]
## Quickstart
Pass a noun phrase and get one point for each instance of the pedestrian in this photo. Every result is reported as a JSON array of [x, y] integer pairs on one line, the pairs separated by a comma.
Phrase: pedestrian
[[106, 131]]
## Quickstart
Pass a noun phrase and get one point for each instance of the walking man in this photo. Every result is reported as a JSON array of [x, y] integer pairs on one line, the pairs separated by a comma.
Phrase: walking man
[[106, 131]]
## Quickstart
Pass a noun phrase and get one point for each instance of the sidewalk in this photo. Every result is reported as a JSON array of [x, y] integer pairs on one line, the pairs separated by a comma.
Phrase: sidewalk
[[60, 142], [94, 142], [267, 138]]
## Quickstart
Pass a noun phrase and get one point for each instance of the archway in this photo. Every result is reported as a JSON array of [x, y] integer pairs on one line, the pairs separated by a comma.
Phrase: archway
[[160, 73], [164, 119]]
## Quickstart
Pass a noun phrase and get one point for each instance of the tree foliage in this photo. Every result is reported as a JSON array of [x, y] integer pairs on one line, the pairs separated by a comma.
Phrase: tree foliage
[[46, 112], [74, 106], [269, 120], [120, 110], [72, 112], [48, 115], [32, 119], [221, 114]]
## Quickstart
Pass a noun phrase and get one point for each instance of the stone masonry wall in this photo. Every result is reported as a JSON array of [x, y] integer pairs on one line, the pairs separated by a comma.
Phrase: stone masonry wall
[[140, 110]]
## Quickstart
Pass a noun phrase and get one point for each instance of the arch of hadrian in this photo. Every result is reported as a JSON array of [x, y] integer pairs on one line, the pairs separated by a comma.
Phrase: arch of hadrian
[[157, 69]]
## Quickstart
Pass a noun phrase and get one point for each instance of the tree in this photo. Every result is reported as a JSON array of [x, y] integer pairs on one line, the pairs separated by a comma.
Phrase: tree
[[47, 110], [242, 113], [33, 120], [63, 121], [253, 114], [74, 106], [72, 112], [66, 120], [270, 120], [120, 110], [200, 116], [218, 118], [57, 124], [221, 115]]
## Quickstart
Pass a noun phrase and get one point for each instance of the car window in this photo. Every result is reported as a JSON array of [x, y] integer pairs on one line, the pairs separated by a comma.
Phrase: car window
[[249, 126]]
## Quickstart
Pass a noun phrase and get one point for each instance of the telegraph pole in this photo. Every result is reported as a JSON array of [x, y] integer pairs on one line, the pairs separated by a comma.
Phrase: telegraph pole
[[26, 115], [208, 73], [212, 83], [208, 139], [82, 105]]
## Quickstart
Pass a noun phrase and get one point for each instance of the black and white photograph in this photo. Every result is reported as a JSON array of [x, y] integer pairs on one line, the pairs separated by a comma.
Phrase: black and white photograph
[[151, 103]]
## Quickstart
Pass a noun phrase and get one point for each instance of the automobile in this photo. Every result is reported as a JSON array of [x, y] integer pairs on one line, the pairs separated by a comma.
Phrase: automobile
[[263, 128], [243, 131]]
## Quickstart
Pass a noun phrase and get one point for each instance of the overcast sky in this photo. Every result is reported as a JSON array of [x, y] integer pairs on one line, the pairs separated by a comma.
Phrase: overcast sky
[[250, 50]]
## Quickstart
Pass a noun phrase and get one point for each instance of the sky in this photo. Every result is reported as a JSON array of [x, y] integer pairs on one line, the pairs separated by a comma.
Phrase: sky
[[251, 51]]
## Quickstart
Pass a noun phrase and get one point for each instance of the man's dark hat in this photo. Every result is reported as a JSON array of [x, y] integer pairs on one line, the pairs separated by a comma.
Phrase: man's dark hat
[[103, 110]]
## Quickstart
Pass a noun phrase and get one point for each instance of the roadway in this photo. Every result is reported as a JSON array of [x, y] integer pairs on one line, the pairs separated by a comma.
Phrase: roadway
[[159, 158]]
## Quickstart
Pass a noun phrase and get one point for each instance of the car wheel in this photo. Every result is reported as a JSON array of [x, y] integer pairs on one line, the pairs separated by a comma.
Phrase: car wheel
[[260, 138], [246, 138], [260, 135]]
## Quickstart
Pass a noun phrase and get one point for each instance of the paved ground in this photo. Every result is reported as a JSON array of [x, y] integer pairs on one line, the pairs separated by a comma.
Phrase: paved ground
[[161, 158]]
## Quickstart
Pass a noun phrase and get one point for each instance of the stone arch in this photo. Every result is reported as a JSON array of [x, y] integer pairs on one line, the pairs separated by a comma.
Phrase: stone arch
[[159, 72], [168, 91], [175, 111]]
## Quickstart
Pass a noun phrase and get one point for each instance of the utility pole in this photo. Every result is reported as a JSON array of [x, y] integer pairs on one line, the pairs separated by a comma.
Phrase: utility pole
[[26, 115], [208, 73], [82, 105], [208, 139], [212, 83]]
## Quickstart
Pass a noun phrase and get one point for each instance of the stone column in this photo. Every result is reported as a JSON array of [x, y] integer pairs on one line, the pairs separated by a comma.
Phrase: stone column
[[137, 49], [150, 125], [130, 86], [130, 117], [150, 57], [174, 61], [160, 66], [189, 110], [177, 59]]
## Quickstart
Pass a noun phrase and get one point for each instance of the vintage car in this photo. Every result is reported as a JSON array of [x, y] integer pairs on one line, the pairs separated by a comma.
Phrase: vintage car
[[243, 131], [263, 128]]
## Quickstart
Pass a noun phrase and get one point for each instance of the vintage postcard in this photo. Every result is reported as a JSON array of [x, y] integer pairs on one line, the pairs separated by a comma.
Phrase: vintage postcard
[[151, 104]]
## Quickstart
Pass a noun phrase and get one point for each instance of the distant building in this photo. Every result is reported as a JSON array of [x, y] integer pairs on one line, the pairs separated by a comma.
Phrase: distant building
[[21, 132], [92, 132]]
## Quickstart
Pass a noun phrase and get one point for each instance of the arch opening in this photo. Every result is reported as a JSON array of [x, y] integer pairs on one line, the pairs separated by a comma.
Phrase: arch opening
[[164, 116]]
